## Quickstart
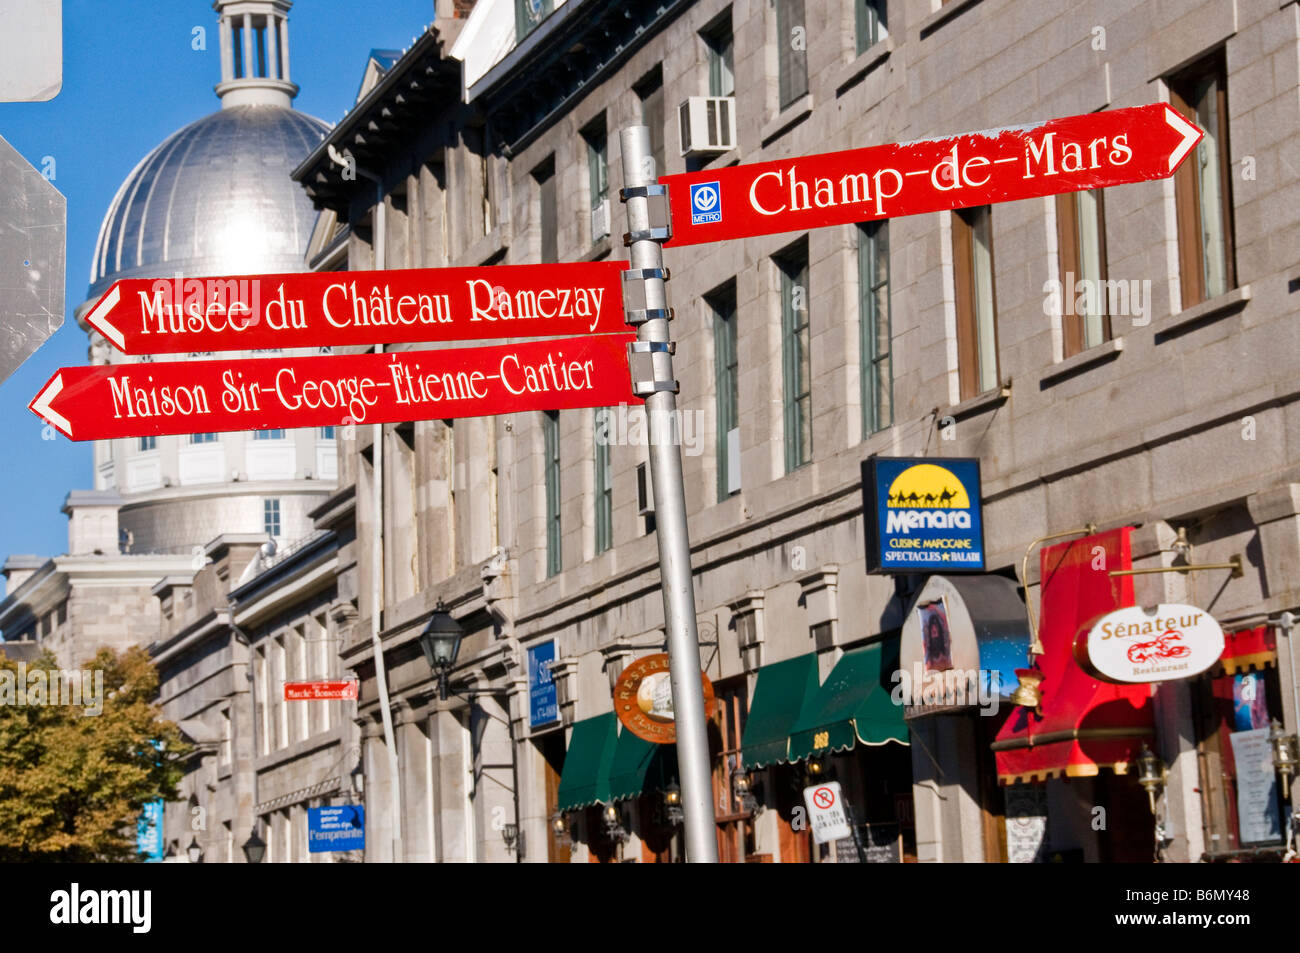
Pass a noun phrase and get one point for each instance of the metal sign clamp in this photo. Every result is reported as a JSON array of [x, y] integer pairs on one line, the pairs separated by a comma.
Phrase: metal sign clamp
[[660, 217], [635, 311], [640, 359]]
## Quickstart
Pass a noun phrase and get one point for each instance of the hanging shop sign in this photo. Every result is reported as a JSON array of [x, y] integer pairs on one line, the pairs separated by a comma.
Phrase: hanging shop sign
[[336, 828], [643, 699], [923, 514], [1141, 644], [332, 690], [543, 705], [827, 819], [963, 639]]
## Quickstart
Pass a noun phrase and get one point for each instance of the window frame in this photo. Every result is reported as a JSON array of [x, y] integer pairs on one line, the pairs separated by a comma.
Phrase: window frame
[[1074, 326], [551, 482], [793, 266], [720, 55], [870, 23], [790, 87], [724, 317], [871, 361], [971, 343], [603, 482]]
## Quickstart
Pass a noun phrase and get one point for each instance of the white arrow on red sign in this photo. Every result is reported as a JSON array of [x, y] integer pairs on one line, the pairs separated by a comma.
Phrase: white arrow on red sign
[[1092, 151]]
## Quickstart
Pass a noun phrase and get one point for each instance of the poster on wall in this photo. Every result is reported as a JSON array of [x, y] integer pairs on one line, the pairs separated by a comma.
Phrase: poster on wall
[[1257, 809]]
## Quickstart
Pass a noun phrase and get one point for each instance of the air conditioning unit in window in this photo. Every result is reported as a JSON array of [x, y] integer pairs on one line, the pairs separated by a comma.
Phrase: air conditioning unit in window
[[600, 221], [645, 501], [708, 125]]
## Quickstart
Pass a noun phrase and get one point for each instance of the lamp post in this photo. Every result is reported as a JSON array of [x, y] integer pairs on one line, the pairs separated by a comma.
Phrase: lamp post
[[440, 642], [254, 848], [1284, 756], [194, 852]]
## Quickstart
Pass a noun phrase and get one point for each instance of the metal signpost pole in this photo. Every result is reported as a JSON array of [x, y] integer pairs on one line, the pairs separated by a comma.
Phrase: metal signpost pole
[[653, 346]]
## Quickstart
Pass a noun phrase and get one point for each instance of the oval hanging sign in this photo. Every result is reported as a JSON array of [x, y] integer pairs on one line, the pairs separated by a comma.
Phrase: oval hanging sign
[[1143, 644], [643, 699]]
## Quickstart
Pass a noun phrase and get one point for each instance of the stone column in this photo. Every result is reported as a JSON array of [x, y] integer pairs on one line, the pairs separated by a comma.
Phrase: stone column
[[272, 48], [284, 50], [250, 67]]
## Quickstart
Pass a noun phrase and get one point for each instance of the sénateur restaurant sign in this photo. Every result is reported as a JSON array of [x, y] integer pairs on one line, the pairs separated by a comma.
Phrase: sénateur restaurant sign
[[1092, 151], [179, 397], [1150, 644], [256, 312]]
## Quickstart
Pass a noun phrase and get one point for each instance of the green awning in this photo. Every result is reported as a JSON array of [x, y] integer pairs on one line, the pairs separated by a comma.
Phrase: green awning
[[781, 692], [854, 704], [585, 779], [640, 766]]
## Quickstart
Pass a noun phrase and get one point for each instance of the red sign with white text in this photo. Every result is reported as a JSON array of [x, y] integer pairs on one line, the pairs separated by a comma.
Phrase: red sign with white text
[[319, 309], [1093, 151], [177, 397], [320, 691]]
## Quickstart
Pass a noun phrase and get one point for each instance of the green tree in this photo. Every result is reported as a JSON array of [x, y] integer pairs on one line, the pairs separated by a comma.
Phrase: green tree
[[73, 783]]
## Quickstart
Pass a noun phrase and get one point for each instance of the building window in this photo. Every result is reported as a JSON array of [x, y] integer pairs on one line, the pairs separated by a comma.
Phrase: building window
[[551, 440], [792, 50], [604, 482], [651, 93], [273, 434], [873, 311], [869, 23], [327, 433], [720, 42], [1203, 185], [1081, 236], [528, 14], [796, 356], [547, 211], [271, 517], [972, 256], [597, 162], [203, 438], [148, 443], [726, 378]]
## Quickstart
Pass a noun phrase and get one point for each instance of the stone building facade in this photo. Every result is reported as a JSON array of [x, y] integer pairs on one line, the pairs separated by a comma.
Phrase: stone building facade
[[934, 335]]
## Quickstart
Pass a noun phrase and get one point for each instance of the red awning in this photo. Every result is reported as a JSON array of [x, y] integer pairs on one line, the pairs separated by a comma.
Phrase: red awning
[[1249, 650], [1084, 724]]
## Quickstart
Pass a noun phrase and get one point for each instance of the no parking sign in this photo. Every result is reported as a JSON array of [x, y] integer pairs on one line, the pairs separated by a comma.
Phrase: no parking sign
[[826, 816]]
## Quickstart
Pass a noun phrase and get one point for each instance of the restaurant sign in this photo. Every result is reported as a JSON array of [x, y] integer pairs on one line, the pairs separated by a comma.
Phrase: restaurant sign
[[643, 699], [923, 514], [1141, 644]]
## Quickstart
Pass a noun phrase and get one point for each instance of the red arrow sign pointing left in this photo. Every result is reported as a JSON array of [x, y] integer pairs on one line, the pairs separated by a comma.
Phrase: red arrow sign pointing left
[[1093, 151], [177, 397]]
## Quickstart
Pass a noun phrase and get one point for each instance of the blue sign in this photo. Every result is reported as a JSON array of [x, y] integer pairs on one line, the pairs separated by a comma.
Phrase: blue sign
[[336, 828], [543, 706], [923, 514], [706, 203], [149, 832]]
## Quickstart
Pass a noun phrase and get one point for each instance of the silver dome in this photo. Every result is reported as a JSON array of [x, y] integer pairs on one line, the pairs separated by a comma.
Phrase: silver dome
[[214, 198]]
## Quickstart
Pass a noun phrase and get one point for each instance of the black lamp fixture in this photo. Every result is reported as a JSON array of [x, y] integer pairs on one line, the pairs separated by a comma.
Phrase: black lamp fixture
[[1285, 759], [440, 642], [194, 852], [254, 848], [673, 804], [1152, 774], [742, 787]]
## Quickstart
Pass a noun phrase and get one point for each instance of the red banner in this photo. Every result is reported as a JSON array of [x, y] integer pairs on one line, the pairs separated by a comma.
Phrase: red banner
[[318, 309], [320, 691], [140, 400], [1092, 151]]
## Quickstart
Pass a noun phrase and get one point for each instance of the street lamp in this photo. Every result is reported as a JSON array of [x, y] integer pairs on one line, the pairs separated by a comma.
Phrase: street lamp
[[194, 851], [673, 804], [1151, 774], [1284, 756], [440, 642], [254, 848]]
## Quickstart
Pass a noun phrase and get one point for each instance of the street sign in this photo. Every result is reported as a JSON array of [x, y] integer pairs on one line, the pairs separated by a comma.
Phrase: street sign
[[336, 828], [33, 237], [543, 704], [1092, 151], [318, 309], [31, 50], [178, 397], [826, 816], [923, 514], [342, 689]]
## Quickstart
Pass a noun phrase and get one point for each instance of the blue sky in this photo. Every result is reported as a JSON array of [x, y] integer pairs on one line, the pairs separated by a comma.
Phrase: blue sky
[[130, 79]]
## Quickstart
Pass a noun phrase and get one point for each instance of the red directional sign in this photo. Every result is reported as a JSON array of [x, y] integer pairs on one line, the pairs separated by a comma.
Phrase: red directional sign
[[175, 397], [254, 312], [320, 691], [1093, 151]]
